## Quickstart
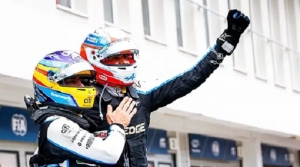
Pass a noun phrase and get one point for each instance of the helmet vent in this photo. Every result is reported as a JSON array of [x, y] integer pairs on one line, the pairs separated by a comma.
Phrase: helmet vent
[[81, 89]]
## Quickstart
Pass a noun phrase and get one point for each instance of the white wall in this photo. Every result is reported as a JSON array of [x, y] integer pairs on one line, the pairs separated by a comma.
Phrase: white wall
[[30, 29]]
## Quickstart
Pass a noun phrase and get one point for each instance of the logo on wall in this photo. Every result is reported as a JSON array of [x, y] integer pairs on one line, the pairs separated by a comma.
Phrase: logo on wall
[[195, 143], [215, 148], [19, 124], [233, 151], [286, 157], [273, 155], [162, 143]]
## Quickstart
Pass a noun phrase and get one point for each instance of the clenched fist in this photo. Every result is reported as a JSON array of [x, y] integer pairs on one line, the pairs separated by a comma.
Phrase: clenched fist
[[237, 22]]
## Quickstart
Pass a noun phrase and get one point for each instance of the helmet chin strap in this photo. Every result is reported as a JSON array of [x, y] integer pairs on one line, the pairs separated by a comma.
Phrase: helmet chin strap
[[116, 91], [123, 89]]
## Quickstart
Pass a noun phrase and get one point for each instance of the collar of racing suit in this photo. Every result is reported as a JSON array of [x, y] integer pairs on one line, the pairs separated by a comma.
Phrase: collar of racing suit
[[106, 93], [42, 114]]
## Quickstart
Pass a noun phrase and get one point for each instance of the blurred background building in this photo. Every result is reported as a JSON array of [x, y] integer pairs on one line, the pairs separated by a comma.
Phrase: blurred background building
[[245, 115]]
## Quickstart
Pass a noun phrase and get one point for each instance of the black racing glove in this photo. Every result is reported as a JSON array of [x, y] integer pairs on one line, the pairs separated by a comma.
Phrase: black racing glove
[[31, 104], [237, 22]]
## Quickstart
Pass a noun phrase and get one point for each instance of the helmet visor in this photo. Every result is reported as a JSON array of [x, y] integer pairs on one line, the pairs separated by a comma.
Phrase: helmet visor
[[81, 68]]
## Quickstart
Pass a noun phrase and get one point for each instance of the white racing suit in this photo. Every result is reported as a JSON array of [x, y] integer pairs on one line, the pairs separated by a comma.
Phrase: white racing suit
[[66, 142]]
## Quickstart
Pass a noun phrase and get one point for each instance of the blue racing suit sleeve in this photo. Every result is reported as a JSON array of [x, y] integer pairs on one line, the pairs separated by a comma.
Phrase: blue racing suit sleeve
[[184, 83]]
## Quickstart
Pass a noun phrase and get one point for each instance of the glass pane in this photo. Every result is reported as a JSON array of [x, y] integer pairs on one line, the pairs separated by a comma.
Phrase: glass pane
[[146, 20], [66, 3], [108, 11], [164, 164], [206, 25], [27, 158], [278, 55], [178, 23], [260, 49], [8, 159]]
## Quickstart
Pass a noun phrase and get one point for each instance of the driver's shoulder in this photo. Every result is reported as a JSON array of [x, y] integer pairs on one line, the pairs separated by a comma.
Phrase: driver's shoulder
[[145, 87]]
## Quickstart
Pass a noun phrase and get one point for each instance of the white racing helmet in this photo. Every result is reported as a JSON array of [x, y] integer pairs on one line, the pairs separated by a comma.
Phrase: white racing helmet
[[107, 42]]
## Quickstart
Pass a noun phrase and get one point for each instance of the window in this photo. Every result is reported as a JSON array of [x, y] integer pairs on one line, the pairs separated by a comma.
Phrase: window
[[295, 60], [278, 52], [146, 18], [163, 164], [260, 44], [293, 42], [66, 3], [150, 163], [201, 27], [239, 55], [108, 11], [28, 155], [216, 16], [9, 158], [153, 20], [116, 13], [206, 25], [78, 7], [178, 23], [185, 20], [217, 22]]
